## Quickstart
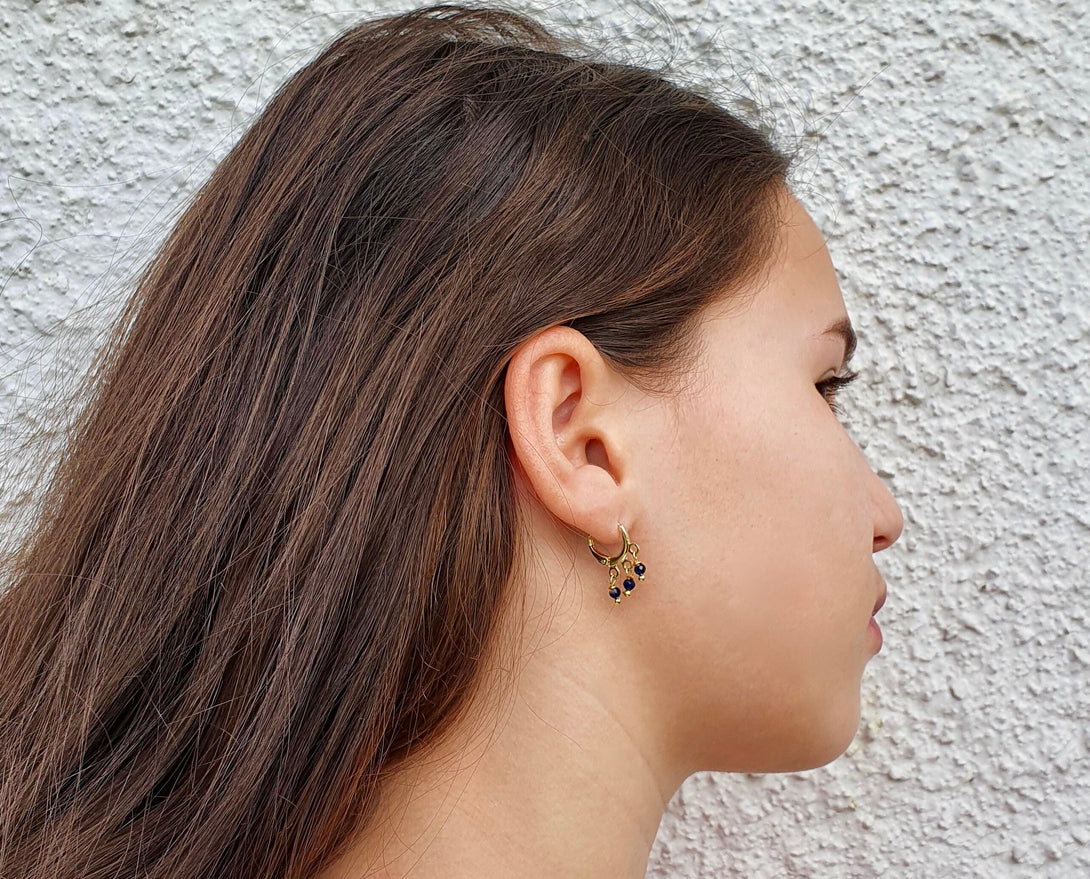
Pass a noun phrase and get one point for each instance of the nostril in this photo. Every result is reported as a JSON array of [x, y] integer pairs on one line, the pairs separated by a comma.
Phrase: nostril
[[888, 520]]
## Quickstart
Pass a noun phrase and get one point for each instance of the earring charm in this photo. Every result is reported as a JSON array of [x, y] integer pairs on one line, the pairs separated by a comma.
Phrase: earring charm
[[615, 563]]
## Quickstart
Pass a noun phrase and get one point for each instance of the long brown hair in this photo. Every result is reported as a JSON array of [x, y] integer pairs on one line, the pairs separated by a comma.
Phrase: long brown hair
[[275, 551]]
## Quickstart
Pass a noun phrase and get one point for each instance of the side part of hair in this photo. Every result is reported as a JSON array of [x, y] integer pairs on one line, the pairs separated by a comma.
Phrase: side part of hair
[[275, 551]]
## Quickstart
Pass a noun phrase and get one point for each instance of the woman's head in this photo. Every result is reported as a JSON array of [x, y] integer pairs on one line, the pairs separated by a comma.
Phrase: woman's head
[[290, 525], [756, 515]]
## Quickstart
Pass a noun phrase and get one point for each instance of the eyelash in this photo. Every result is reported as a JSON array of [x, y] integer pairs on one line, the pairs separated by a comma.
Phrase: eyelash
[[831, 386]]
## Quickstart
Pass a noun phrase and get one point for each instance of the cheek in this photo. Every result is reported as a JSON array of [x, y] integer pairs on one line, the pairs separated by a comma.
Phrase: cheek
[[772, 478], [795, 533], [765, 575], [760, 523]]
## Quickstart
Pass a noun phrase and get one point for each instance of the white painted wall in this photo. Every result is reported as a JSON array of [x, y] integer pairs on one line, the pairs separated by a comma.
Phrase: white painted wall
[[947, 166]]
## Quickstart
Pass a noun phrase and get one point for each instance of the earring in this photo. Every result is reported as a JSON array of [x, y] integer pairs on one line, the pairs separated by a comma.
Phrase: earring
[[633, 565]]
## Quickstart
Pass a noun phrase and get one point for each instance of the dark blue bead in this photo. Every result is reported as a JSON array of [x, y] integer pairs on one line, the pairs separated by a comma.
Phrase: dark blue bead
[[640, 569], [614, 592], [629, 585]]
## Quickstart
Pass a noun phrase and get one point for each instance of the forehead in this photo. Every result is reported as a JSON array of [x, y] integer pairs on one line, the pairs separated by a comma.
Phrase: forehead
[[802, 279], [795, 298]]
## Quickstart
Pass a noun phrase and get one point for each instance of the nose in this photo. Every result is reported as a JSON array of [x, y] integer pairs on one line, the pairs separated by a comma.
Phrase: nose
[[888, 520]]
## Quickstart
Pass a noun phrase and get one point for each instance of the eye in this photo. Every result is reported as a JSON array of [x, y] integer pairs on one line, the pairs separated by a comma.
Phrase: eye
[[830, 386]]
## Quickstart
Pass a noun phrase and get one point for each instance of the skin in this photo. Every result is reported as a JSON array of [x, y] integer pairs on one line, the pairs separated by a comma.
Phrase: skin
[[757, 517]]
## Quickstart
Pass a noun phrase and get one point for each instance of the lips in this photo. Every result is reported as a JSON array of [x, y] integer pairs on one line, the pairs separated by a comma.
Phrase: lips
[[881, 600]]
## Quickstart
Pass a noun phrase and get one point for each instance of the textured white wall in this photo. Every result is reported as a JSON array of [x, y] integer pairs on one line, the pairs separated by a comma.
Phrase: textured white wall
[[947, 166]]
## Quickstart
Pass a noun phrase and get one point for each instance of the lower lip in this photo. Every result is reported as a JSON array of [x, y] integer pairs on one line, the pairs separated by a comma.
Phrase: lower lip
[[876, 632]]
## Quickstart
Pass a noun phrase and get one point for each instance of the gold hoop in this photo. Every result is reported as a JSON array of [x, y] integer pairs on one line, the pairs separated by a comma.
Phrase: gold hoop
[[605, 559], [632, 566]]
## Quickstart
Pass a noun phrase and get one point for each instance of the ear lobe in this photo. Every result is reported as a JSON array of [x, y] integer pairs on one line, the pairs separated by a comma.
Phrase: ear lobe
[[567, 428]]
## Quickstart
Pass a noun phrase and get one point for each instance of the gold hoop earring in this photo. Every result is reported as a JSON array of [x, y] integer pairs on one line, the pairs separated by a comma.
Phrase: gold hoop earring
[[614, 563]]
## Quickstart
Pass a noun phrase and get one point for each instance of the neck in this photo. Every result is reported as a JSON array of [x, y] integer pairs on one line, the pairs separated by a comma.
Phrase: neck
[[570, 777]]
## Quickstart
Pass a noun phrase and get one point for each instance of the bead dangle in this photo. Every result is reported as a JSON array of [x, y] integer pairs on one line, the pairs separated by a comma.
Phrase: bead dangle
[[631, 565]]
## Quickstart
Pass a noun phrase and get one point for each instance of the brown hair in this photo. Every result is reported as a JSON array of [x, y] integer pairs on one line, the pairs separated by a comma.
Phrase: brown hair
[[277, 546]]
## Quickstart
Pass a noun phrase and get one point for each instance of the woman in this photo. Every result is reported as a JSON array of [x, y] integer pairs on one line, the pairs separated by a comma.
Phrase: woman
[[463, 475]]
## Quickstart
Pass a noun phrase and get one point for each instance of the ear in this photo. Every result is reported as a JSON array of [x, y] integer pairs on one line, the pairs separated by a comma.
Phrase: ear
[[569, 420]]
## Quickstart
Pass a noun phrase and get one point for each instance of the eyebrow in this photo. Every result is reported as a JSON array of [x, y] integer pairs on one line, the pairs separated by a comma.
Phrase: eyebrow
[[846, 331]]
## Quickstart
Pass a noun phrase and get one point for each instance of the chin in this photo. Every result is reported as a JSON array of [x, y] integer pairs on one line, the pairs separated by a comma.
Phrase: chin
[[828, 741], [773, 751], [813, 742], [781, 734]]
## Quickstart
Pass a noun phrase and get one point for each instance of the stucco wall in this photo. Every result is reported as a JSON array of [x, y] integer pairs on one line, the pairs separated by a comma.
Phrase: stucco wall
[[946, 163]]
